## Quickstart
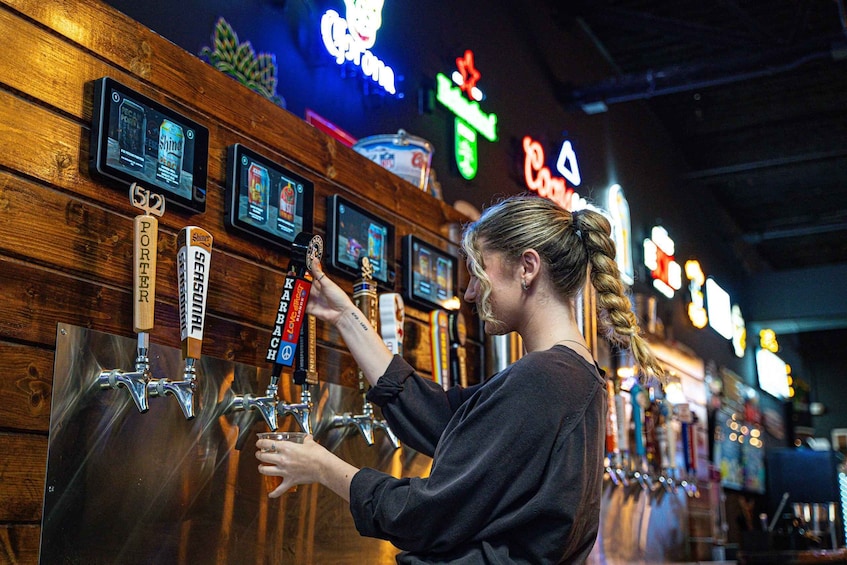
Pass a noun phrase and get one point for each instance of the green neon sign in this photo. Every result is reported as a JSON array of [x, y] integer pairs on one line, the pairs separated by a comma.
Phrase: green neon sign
[[465, 149], [452, 97]]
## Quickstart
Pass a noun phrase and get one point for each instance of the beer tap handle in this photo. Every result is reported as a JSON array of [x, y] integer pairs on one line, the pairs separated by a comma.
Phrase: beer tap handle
[[440, 344], [365, 299], [458, 352], [193, 261], [291, 311], [145, 246]]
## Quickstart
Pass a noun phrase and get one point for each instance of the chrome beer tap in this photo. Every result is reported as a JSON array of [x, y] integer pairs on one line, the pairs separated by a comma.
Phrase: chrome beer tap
[[305, 375], [194, 255], [145, 245], [365, 299], [291, 313]]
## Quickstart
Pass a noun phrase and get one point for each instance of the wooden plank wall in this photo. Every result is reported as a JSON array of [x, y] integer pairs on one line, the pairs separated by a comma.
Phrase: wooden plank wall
[[66, 239]]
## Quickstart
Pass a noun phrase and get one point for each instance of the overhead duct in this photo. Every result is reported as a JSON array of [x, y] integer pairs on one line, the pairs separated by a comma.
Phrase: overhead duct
[[596, 98]]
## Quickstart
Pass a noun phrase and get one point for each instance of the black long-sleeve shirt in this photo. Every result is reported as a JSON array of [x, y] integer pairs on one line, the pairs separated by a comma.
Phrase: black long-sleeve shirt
[[517, 465]]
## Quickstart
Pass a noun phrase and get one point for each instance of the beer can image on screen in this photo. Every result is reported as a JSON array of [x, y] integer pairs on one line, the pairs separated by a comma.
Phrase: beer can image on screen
[[287, 200], [258, 186], [169, 163], [132, 122]]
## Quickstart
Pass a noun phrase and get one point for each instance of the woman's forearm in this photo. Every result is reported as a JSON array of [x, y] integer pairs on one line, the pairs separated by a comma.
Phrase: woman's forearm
[[336, 474], [364, 343]]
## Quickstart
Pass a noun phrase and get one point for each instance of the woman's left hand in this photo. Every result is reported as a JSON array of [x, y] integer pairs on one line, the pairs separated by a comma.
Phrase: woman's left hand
[[296, 463]]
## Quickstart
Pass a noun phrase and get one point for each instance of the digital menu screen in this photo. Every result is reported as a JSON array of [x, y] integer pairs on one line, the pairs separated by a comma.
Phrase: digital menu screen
[[354, 233], [429, 275], [265, 199], [135, 139]]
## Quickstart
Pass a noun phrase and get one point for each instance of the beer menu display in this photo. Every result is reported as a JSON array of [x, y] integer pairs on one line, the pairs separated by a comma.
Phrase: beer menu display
[[135, 139], [265, 199], [429, 275], [355, 233]]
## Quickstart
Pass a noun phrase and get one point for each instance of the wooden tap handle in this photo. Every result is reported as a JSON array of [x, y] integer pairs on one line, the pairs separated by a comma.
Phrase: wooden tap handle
[[146, 236]]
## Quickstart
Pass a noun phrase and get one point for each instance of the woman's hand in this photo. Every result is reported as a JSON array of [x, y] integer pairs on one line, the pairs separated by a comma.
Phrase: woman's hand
[[304, 463], [296, 463], [327, 301]]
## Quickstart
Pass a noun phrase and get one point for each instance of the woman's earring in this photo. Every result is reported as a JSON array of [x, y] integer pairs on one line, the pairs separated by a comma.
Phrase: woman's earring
[[524, 285]]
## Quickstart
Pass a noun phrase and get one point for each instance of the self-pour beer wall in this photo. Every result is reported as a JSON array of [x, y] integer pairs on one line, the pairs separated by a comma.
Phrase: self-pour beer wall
[[66, 240]]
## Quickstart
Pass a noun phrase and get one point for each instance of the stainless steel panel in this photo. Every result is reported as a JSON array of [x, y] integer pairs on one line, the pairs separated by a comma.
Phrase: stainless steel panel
[[125, 487]]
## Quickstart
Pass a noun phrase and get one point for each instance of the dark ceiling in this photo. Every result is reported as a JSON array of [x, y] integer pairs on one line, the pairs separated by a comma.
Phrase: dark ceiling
[[754, 96]]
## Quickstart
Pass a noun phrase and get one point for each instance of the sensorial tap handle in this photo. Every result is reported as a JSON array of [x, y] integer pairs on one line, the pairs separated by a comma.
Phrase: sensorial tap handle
[[193, 260], [146, 235]]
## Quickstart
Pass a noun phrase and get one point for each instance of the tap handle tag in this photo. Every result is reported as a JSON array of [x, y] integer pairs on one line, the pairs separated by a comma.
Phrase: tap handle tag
[[193, 260], [306, 371], [146, 238], [152, 203], [670, 433], [440, 343], [458, 353], [306, 249], [392, 315]]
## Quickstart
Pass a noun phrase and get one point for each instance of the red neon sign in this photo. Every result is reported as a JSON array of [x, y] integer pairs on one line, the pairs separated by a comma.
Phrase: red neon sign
[[539, 178]]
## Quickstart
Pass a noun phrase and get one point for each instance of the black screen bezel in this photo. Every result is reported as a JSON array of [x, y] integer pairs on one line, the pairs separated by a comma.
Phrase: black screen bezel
[[233, 189], [99, 166], [332, 227], [409, 261]]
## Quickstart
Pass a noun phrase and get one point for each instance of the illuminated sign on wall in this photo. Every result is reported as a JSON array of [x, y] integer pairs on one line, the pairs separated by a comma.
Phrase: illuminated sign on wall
[[719, 306], [461, 96], [767, 340], [567, 165], [539, 178], [696, 308], [618, 208], [659, 258], [773, 374], [351, 39], [739, 332]]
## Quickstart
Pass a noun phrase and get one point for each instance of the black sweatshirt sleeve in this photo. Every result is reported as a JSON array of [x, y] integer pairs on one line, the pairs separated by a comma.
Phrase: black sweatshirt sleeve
[[417, 409]]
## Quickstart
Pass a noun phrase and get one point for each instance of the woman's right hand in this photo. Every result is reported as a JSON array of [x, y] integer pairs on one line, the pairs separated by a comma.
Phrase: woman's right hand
[[327, 301]]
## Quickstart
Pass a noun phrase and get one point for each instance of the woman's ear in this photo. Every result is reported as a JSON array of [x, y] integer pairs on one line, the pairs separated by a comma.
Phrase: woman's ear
[[530, 263]]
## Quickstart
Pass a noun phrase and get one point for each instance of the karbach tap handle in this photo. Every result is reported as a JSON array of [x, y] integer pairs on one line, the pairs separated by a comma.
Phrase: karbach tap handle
[[305, 250]]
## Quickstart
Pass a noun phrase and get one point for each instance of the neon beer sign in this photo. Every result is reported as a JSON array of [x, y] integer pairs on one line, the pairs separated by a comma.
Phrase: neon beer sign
[[539, 178], [351, 39], [659, 258], [461, 96]]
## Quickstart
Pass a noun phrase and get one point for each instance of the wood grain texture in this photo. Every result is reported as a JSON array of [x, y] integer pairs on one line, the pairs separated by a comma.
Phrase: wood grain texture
[[66, 237]]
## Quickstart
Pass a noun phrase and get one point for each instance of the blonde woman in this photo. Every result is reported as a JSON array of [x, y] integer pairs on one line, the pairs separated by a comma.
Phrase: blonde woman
[[517, 461]]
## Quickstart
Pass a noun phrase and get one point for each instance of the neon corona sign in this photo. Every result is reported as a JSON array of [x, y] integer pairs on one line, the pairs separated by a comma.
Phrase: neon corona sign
[[350, 39], [539, 178], [461, 96], [659, 258]]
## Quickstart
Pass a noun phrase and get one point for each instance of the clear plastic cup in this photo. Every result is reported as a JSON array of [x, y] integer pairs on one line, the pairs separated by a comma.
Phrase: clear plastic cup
[[273, 481]]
